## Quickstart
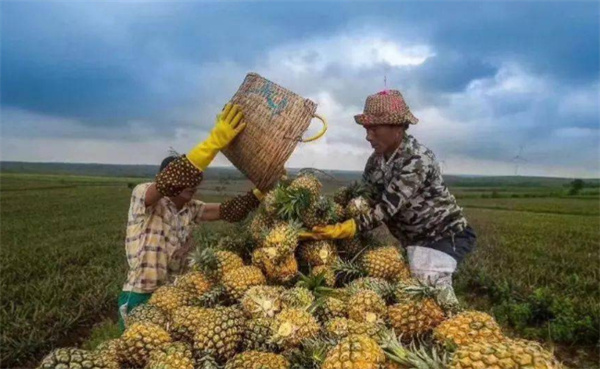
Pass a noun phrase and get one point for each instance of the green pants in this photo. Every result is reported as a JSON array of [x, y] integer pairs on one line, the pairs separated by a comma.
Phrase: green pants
[[128, 301]]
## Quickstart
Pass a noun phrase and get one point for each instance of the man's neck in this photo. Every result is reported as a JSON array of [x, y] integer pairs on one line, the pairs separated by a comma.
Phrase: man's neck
[[388, 154]]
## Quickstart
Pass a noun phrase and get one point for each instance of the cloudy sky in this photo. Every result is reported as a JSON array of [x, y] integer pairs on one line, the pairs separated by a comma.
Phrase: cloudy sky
[[115, 82]]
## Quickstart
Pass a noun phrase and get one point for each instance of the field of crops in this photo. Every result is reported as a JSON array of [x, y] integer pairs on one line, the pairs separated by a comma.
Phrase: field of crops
[[536, 267]]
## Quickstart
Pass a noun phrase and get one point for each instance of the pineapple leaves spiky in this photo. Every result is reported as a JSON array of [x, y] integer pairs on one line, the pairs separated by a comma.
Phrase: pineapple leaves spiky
[[412, 356], [347, 270]]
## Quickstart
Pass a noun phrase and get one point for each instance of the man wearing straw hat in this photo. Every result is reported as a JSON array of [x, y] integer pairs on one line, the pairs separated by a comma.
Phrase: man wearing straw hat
[[410, 195], [162, 213]]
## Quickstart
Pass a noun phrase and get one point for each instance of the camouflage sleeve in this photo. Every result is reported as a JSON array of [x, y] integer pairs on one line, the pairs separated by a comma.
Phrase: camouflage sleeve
[[407, 181]]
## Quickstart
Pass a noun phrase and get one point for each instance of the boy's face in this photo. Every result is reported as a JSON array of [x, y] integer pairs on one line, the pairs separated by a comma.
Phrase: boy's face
[[187, 194]]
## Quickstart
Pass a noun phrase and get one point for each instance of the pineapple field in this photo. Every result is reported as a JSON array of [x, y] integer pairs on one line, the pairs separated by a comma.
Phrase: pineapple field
[[255, 296]]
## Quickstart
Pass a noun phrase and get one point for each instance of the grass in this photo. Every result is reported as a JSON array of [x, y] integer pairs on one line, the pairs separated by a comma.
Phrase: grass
[[567, 206], [62, 263], [538, 274], [536, 266]]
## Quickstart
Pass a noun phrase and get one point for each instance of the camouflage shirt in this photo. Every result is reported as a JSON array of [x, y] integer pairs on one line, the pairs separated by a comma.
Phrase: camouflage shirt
[[410, 196]]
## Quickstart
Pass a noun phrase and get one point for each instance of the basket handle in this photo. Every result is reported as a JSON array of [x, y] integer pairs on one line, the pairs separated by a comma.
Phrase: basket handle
[[320, 134]]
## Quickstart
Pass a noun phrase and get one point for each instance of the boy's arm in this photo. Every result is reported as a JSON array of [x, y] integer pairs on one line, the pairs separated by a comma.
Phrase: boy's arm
[[232, 210], [152, 195], [210, 212]]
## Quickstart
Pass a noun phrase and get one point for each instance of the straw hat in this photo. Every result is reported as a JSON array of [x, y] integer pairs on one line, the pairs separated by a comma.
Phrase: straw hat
[[386, 108]]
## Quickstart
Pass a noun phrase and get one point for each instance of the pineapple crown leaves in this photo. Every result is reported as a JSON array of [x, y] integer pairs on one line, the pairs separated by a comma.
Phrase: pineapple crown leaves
[[311, 355], [315, 284], [360, 189], [347, 270], [415, 290], [240, 244], [292, 203], [415, 355], [382, 287], [205, 259], [344, 194], [326, 208]]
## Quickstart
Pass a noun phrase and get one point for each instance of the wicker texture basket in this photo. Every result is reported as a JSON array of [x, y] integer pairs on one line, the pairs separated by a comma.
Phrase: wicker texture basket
[[275, 120]]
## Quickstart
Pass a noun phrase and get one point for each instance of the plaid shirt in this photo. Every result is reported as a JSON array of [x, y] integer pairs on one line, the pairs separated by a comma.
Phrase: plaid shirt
[[157, 239]]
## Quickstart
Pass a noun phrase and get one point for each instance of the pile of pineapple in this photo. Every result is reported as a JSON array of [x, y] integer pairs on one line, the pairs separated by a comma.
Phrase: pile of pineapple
[[259, 298]]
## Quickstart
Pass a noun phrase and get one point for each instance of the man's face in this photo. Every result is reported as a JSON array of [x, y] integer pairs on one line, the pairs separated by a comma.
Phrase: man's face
[[187, 194], [384, 139]]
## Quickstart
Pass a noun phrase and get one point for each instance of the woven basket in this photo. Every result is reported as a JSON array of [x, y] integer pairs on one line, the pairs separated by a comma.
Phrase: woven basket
[[275, 120]]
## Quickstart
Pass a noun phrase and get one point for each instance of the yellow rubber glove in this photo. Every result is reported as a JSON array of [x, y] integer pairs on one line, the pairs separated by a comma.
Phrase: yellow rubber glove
[[259, 195], [227, 127], [337, 231]]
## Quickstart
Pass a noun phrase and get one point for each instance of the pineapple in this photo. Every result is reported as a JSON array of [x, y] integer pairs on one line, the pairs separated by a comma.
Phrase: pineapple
[[238, 281], [468, 327], [292, 326], [221, 333], [336, 328], [215, 263], [339, 328], [385, 263], [357, 206], [339, 212], [350, 247], [147, 313], [186, 320], [65, 358], [269, 204], [513, 354], [278, 273], [416, 314], [355, 352], [343, 195], [257, 335], [318, 252], [262, 301], [366, 306], [169, 298], [327, 272], [319, 212], [308, 182], [109, 350], [195, 283], [257, 359], [281, 241], [297, 298], [381, 286], [139, 340], [331, 308], [175, 355], [260, 224]]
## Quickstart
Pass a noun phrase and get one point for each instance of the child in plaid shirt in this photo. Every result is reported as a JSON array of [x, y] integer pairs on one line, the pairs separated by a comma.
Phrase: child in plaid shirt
[[162, 214]]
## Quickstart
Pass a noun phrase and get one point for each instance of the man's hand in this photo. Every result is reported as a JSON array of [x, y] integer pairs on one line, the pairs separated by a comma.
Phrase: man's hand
[[343, 230], [227, 126]]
